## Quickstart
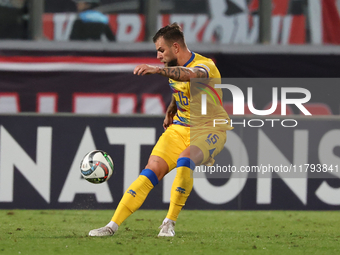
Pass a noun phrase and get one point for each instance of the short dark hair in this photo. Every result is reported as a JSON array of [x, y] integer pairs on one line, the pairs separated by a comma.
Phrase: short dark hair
[[171, 33]]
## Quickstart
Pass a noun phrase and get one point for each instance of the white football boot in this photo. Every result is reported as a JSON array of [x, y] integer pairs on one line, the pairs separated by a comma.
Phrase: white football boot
[[104, 231], [167, 229]]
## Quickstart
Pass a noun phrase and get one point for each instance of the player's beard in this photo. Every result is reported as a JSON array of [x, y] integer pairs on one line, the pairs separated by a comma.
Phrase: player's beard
[[172, 62]]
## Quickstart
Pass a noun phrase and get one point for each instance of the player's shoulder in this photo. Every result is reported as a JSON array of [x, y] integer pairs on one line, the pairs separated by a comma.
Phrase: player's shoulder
[[201, 58], [206, 63]]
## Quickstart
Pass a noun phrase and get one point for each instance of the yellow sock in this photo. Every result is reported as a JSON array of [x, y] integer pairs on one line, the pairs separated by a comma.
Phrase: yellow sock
[[135, 195], [181, 187]]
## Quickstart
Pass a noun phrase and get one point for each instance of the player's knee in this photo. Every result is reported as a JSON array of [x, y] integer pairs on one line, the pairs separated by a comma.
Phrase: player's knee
[[194, 153], [148, 173], [184, 175], [156, 170], [158, 166], [186, 162]]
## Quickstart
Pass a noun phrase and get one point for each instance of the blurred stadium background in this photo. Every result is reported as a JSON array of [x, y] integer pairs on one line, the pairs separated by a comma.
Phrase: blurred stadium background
[[60, 98]]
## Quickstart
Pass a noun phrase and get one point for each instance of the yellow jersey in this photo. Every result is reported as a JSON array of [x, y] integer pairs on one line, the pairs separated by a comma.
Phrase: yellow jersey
[[189, 102]]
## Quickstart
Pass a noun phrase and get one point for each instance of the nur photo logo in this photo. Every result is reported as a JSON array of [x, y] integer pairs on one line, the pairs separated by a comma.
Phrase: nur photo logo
[[240, 101]]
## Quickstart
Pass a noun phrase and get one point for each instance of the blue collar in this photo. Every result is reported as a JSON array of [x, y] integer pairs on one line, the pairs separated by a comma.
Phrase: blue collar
[[190, 60]]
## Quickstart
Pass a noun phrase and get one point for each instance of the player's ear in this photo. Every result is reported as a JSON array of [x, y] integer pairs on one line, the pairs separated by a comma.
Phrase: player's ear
[[175, 46]]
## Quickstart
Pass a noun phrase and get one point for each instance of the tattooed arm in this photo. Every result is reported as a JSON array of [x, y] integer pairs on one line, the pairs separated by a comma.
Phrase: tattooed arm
[[180, 73], [177, 73]]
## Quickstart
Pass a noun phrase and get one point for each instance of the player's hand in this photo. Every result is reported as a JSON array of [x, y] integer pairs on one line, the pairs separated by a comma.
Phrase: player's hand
[[146, 69], [167, 121]]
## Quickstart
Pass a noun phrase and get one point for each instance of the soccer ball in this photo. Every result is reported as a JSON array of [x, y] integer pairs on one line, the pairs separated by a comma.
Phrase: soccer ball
[[96, 166]]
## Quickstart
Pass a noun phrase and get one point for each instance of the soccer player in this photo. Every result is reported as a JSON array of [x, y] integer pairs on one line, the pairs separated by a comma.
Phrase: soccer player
[[176, 148]]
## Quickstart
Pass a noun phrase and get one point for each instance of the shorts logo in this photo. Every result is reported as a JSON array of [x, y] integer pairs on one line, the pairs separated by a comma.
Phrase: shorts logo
[[212, 151], [133, 193], [180, 190]]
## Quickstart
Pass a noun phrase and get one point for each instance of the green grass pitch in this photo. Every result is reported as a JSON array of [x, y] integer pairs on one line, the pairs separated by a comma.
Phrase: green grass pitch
[[197, 232]]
